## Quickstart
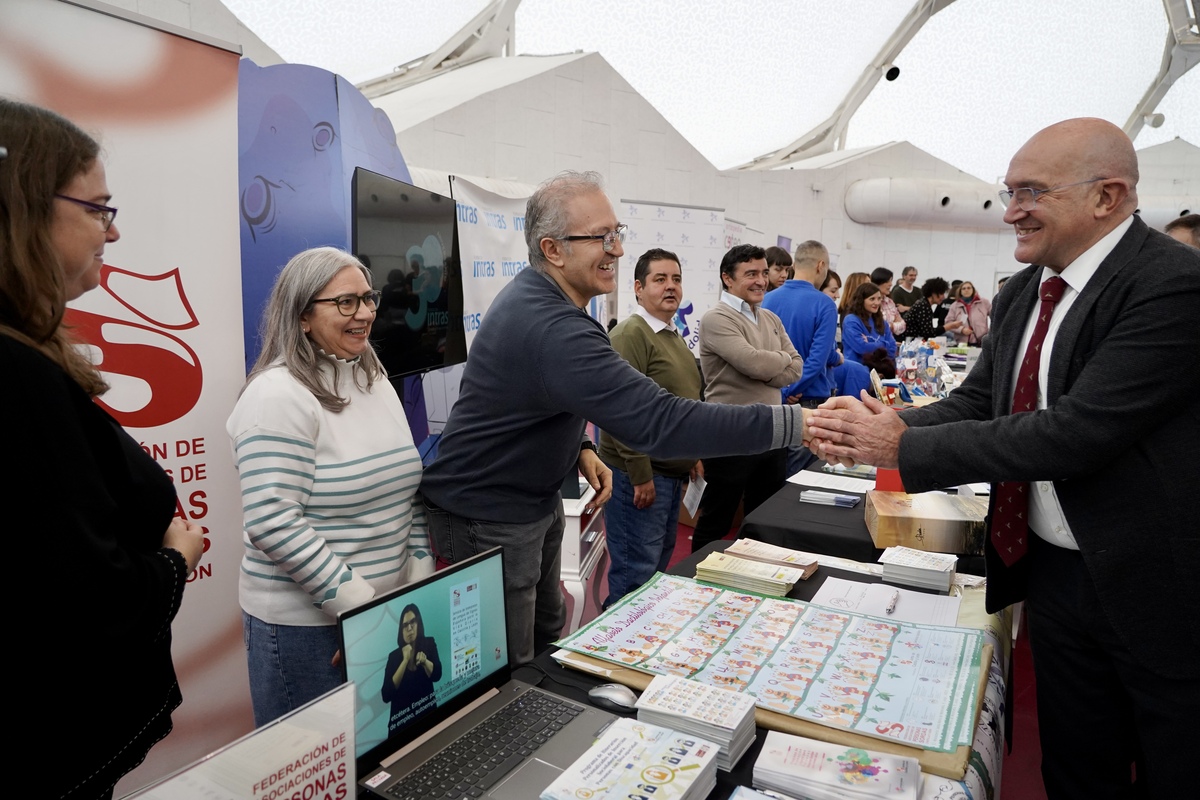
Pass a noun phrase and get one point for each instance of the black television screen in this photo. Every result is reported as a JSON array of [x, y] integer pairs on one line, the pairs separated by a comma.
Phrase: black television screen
[[406, 236]]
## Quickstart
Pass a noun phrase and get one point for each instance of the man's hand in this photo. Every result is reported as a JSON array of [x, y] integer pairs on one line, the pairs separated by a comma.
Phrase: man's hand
[[598, 475], [866, 432], [697, 471], [643, 494]]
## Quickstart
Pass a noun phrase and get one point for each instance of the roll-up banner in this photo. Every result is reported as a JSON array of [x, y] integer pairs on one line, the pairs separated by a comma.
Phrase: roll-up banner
[[697, 236], [165, 324]]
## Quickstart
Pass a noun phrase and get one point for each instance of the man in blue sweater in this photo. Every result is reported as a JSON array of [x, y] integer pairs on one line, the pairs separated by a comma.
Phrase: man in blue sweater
[[539, 369], [810, 318]]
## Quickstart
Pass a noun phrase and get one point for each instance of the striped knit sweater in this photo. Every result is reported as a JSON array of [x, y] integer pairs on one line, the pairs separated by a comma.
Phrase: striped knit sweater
[[327, 498]]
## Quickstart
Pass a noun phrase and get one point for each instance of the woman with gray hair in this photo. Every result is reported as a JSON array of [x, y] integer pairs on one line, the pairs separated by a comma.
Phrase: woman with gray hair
[[328, 472]]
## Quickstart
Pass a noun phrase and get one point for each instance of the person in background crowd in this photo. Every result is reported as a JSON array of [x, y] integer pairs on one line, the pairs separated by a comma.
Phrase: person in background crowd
[[922, 323], [1185, 229], [641, 521], [968, 317], [882, 277], [779, 267], [328, 472], [539, 367], [746, 357], [905, 293], [810, 319], [1076, 411], [832, 285], [853, 281], [943, 308], [114, 554], [864, 329]]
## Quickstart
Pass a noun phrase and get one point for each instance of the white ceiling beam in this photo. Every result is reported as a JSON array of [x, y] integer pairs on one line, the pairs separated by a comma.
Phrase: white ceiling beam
[[1180, 53]]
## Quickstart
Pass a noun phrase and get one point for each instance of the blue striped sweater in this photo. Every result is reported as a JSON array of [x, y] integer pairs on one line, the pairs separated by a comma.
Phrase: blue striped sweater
[[327, 498]]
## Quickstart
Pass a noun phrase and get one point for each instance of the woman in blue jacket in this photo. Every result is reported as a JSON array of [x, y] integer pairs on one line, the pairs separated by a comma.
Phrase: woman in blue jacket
[[863, 329]]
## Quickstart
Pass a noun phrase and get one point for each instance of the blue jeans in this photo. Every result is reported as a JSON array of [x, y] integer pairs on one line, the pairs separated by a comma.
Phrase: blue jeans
[[535, 611], [289, 665], [640, 540]]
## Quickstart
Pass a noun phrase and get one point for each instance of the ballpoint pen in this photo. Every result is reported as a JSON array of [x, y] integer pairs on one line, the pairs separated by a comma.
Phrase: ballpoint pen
[[891, 606]]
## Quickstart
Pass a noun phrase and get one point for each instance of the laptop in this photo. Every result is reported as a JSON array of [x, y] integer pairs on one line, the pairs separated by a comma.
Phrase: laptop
[[438, 714]]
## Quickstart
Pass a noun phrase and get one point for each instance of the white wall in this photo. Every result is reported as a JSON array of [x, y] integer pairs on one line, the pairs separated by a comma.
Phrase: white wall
[[207, 17], [584, 115]]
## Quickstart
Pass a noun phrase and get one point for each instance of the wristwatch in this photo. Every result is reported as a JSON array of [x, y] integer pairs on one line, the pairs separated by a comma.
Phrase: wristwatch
[[588, 444]]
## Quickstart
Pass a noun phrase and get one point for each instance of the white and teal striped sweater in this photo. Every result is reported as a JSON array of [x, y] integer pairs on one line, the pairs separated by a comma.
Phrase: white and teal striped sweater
[[327, 498]]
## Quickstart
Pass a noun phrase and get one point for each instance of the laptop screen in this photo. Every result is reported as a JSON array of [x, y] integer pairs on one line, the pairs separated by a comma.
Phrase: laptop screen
[[414, 650]]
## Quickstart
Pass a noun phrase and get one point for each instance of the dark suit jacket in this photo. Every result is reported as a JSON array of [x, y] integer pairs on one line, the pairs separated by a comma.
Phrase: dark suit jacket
[[1120, 438]]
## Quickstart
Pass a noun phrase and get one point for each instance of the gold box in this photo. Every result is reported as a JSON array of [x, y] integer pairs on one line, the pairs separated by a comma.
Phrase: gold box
[[940, 523]]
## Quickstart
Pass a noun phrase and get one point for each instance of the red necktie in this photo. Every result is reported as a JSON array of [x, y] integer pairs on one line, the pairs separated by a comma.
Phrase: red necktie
[[1010, 523]]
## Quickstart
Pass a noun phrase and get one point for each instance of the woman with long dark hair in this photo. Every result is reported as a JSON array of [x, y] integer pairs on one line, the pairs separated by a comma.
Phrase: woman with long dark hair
[[864, 329], [80, 498], [411, 671]]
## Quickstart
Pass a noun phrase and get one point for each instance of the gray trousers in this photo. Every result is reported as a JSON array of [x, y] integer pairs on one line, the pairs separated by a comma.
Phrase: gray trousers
[[533, 601]]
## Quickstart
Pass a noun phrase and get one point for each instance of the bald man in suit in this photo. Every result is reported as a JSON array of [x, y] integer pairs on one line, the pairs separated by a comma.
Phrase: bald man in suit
[[1101, 452]]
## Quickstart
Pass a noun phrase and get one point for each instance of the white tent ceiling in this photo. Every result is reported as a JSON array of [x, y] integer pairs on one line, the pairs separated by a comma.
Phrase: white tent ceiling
[[740, 78]]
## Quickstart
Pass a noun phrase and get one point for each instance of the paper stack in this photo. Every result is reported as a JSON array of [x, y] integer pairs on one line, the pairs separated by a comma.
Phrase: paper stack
[[816, 770], [753, 576], [918, 568], [771, 554], [719, 715], [635, 759]]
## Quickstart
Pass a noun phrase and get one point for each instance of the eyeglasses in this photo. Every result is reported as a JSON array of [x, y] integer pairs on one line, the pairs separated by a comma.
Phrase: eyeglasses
[[347, 304], [607, 240], [1027, 198], [107, 213]]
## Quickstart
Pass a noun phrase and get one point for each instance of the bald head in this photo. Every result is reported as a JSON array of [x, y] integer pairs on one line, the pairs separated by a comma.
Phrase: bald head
[[1081, 176]]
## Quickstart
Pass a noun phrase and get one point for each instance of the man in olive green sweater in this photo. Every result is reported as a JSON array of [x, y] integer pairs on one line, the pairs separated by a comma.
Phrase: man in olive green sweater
[[746, 357], [642, 517]]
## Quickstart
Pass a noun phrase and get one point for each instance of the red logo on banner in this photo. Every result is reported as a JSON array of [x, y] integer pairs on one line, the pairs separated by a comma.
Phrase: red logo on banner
[[146, 352]]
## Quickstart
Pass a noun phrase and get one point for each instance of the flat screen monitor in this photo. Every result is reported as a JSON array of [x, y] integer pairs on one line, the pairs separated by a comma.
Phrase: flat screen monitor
[[406, 236]]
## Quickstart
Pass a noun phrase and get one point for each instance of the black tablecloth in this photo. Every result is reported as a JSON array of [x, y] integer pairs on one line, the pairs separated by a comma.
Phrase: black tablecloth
[[824, 530]]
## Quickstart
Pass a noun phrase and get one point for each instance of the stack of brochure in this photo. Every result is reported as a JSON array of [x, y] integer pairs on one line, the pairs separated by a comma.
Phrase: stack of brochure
[[635, 759], [753, 576], [710, 712], [815, 770], [918, 568], [771, 554]]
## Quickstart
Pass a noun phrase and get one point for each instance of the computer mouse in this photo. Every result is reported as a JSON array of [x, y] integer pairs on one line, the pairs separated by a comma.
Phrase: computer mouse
[[613, 697]]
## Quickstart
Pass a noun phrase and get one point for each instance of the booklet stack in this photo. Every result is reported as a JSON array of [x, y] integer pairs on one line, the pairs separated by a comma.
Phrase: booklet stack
[[829, 498], [719, 715], [816, 770], [753, 576], [771, 554], [635, 759], [918, 568]]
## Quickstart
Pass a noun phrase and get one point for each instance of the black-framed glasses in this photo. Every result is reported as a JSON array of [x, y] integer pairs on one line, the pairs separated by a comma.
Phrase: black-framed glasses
[[1027, 198], [347, 304], [607, 240], [107, 213]]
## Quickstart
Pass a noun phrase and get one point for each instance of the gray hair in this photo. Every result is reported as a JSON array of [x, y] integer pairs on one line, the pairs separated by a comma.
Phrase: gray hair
[[808, 253], [283, 338], [546, 211]]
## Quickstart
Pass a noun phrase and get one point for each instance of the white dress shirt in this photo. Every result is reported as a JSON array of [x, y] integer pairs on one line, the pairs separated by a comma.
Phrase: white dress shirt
[[656, 324], [1046, 517], [739, 305]]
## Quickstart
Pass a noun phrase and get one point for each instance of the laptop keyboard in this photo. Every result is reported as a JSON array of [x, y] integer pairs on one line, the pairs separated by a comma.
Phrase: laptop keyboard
[[481, 757]]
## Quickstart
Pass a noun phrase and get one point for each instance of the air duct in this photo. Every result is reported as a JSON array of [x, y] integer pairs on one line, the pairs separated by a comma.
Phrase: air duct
[[924, 201]]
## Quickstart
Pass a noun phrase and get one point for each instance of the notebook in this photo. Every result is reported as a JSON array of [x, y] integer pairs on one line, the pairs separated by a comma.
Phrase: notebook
[[430, 663]]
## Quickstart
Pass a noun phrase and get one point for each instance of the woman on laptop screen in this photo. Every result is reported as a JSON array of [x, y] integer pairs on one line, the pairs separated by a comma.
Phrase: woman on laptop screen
[[412, 669], [328, 472]]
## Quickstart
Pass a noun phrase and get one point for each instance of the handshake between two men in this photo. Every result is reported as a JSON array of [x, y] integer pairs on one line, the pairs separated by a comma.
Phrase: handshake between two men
[[846, 431]]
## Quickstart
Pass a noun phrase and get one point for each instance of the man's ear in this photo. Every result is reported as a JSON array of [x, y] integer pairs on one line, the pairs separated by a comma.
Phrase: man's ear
[[554, 250], [1113, 194]]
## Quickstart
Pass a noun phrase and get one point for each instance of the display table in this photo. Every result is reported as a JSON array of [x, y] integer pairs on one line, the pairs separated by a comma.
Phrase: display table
[[824, 530], [983, 773]]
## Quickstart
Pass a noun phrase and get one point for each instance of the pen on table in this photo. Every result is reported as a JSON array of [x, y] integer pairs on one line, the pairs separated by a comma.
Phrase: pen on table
[[891, 606]]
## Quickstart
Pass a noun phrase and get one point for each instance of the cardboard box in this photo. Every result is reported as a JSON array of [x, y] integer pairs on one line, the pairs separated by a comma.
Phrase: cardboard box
[[932, 521]]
